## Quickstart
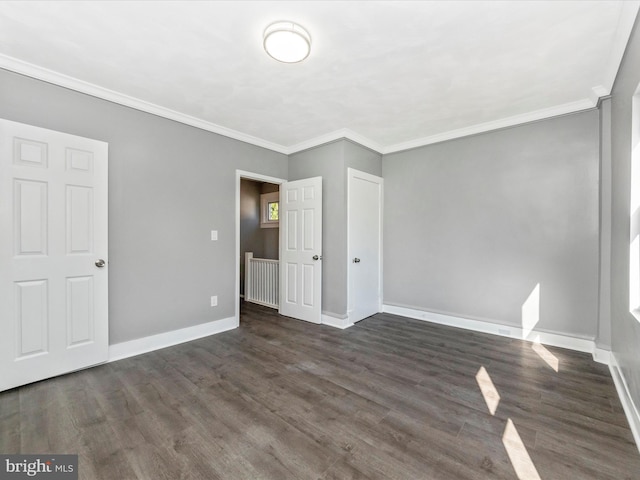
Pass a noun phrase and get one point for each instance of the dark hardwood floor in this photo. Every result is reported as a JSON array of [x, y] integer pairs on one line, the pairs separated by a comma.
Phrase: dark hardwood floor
[[390, 398]]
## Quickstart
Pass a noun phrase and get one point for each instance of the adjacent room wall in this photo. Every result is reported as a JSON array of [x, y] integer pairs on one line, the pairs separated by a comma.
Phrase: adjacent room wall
[[270, 236], [263, 242], [330, 161], [625, 329], [481, 226], [169, 186]]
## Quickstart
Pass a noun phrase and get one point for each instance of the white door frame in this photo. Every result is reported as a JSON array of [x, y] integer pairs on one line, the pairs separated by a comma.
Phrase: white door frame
[[351, 173], [258, 177]]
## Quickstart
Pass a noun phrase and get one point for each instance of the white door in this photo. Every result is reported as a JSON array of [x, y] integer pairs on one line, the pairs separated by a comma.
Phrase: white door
[[364, 233], [301, 249], [53, 219]]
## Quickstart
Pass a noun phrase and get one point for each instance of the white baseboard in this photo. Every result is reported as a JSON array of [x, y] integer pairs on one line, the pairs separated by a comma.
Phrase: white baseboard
[[630, 409], [545, 338], [139, 346], [601, 355], [337, 322]]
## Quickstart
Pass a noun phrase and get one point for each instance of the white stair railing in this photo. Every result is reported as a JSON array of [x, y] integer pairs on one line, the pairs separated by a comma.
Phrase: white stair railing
[[261, 281]]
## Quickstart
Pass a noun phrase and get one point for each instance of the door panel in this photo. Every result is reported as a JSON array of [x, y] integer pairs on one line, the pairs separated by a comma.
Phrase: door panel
[[365, 244], [80, 315], [30, 217], [53, 298], [31, 320], [301, 254]]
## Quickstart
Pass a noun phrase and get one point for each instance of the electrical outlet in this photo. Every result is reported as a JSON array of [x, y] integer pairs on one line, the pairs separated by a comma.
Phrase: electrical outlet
[[214, 235], [214, 301]]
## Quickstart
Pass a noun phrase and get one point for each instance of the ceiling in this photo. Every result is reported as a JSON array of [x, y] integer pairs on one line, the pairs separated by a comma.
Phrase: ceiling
[[390, 75]]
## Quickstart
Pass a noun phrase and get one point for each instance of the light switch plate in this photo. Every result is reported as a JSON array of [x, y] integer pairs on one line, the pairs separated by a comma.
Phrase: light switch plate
[[214, 301], [214, 235]]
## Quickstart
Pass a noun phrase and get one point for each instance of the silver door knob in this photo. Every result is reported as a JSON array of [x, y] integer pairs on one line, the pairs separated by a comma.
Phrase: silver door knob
[[316, 257], [356, 260], [100, 263]]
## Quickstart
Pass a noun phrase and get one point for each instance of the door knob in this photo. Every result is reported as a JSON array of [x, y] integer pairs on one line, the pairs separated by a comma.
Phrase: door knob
[[356, 260], [100, 263], [316, 257]]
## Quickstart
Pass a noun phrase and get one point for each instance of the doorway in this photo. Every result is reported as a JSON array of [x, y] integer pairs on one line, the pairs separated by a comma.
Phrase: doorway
[[250, 235], [259, 242], [300, 245]]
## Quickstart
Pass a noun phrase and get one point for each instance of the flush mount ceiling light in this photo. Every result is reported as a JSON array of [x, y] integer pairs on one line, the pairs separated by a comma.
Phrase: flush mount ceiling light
[[287, 42]]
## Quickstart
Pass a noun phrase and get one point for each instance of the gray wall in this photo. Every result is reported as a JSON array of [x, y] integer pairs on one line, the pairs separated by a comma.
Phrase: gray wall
[[330, 161], [361, 158], [263, 242], [472, 225], [625, 329], [169, 185]]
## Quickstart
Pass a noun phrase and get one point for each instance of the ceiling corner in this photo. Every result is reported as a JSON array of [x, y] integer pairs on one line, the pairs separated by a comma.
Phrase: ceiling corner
[[628, 14]]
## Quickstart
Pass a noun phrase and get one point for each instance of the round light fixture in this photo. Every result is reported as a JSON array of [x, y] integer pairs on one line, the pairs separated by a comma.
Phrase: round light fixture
[[287, 42]]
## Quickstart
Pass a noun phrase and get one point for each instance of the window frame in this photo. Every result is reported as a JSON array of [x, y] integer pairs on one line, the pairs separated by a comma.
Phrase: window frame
[[265, 200]]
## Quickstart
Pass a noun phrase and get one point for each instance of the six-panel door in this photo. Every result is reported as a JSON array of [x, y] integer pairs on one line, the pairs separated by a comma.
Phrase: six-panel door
[[53, 218], [301, 239]]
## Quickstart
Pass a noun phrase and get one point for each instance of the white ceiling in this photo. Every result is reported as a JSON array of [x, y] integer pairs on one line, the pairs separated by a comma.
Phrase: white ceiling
[[391, 75]]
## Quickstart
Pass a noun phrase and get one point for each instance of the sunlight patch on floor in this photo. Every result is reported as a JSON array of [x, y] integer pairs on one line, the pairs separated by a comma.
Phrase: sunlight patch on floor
[[548, 357], [518, 455], [488, 389]]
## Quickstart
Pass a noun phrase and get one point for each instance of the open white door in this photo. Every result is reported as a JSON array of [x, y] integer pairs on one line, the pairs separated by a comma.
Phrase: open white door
[[301, 249], [364, 233], [53, 247]]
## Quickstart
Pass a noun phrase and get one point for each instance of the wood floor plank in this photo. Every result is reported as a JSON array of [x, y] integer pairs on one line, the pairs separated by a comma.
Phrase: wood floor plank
[[277, 398], [10, 435], [231, 452]]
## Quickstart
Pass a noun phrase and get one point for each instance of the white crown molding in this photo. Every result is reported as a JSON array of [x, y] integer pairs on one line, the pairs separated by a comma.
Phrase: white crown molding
[[50, 76], [362, 140], [139, 346], [597, 93], [343, 133], [558, 110], [628, 14]]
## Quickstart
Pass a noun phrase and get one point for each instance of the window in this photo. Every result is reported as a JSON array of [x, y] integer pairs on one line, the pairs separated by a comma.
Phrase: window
[[269, 210]]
